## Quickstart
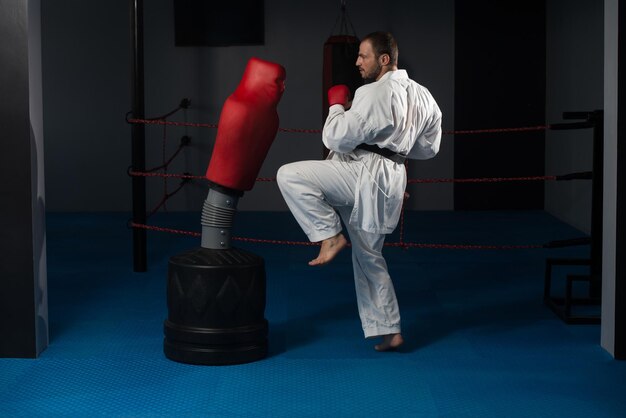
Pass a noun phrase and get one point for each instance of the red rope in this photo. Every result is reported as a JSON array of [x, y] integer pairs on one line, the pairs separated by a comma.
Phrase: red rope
[[463, 246], [165, 167], [401, 239], [302, 131], [498, 130], [169, 175], [404, 245], [161, 229], [482, 180], [410, 181], [172, 123], [273, 241], [167, 196], [318, 131]]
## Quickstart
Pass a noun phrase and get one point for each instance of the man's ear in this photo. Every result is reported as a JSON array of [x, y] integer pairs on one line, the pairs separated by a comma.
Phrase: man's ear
[[385, 59]]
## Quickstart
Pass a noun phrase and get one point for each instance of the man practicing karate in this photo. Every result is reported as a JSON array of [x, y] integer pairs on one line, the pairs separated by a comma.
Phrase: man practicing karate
[[363, 178]]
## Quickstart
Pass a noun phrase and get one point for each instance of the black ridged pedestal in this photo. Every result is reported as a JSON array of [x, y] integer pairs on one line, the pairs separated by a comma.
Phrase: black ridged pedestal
[[216, 307]]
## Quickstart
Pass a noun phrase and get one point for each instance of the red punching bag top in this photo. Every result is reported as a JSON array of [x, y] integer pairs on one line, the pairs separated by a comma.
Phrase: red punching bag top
[[262, 80], [247, 126]]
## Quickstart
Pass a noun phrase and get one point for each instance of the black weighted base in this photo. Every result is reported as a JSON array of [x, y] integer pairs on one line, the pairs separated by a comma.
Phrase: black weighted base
[[216, 304]]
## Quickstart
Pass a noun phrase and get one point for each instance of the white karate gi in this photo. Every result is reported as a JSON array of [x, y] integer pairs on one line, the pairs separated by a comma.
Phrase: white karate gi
[[366, 189]]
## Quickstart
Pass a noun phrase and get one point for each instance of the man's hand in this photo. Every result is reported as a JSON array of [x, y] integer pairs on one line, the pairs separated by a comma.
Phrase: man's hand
[[339, 94]]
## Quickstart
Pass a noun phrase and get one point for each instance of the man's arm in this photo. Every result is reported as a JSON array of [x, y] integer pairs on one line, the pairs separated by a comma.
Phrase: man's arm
[[369, 116], [343, 130], [428, 142]]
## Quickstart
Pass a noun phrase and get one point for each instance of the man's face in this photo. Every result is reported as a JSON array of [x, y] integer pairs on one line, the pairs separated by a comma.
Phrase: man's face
[[368, 64]]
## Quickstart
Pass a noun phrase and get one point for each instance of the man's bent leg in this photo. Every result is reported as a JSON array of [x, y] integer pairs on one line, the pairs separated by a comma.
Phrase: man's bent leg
[[311, 189]]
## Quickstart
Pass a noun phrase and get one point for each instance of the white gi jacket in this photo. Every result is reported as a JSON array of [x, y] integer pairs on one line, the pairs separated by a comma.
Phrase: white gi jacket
[[395, 113]]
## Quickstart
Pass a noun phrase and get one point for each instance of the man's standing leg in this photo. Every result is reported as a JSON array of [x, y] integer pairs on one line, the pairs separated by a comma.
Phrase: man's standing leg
[[376, 297]]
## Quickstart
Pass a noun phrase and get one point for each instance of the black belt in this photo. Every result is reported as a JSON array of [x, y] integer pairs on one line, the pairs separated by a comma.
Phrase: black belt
[[393, 156]]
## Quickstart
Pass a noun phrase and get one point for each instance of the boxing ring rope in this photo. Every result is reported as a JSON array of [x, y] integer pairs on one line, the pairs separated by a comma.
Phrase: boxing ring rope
[[398, 244], [561, 306], [582, 175], [187, 177], [162, 121]]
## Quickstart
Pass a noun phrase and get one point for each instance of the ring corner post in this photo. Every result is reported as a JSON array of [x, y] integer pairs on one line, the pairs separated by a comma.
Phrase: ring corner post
[[138, 136]]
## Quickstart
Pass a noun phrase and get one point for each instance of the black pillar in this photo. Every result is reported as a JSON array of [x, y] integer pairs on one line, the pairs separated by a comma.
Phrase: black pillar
[[138, 136], [23, 294]]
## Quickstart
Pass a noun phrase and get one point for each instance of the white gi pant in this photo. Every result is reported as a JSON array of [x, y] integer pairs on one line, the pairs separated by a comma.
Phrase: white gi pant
[[315, 191]]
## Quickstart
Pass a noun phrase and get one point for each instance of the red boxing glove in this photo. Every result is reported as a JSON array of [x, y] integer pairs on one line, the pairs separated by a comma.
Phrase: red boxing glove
[[339, 94], [247, 126]]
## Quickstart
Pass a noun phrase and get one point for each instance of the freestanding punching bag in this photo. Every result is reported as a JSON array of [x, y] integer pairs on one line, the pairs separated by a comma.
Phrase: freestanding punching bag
[[216, 293]]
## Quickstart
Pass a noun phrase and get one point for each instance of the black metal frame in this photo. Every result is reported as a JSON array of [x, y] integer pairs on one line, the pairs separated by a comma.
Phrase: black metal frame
[[563, 306]]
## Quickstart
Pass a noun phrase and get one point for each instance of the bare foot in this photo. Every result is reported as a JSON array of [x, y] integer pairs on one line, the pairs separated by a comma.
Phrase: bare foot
[[330, 248], [390, 342]]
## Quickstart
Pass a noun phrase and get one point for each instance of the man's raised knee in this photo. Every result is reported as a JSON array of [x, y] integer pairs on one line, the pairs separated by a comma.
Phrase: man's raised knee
[[283, 174]]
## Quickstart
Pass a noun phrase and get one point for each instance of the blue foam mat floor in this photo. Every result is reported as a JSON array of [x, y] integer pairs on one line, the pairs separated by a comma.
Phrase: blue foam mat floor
[[480, 342]]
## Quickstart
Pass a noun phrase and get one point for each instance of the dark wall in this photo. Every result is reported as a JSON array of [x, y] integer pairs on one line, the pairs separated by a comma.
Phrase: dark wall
[[499, 83], [574, 78], [499, 49], [87, 93]]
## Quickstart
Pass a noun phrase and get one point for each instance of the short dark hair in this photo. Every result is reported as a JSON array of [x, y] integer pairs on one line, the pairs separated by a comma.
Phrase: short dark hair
[[384, 43]]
